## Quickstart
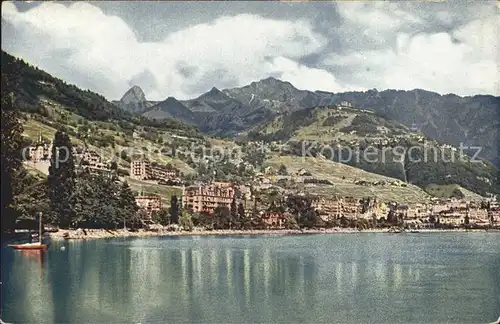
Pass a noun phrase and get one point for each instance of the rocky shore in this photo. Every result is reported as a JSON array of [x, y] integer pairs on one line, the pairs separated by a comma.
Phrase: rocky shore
[[84, 234]]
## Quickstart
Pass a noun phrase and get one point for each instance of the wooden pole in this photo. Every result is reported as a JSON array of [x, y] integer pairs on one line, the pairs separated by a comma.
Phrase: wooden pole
[[40, 228]]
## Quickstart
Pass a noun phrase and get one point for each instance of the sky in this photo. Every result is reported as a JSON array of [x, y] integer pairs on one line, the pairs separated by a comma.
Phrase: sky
[[183, 49]]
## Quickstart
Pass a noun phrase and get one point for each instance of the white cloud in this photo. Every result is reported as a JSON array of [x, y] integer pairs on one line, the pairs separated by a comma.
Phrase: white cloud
[[390, 45], [105, 51], [384, 15], [465, 61], [304, 77]]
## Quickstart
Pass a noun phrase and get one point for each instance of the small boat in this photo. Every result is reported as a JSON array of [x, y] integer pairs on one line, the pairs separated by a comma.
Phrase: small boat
[[32, 246], [29, 246]]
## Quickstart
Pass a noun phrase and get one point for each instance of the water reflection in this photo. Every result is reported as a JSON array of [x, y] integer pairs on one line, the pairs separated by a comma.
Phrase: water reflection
[[28, 286], [244, 280]]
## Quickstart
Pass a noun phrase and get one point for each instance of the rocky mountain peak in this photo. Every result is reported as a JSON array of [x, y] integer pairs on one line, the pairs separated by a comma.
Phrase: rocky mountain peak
[[133, 95], [214, 94]]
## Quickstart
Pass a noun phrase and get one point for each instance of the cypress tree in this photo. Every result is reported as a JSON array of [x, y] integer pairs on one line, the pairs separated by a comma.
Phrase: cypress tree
[[234, 213], [61, 180], [174, 209], [127, 204], [11, 149], [241, 215]]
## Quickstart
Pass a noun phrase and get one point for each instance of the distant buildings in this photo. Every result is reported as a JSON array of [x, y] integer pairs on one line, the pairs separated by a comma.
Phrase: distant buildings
[[149, 204], [142, 169], [273, 219], [91, 161], [39, 151], [205, 198], [345, 104], [446, 212]]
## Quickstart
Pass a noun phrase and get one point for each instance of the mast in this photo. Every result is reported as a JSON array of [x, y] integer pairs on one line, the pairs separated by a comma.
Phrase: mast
[[40, 228]]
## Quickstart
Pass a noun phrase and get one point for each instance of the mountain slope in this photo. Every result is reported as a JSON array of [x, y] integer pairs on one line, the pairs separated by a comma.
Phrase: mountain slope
[[214, 101], [348, 180], [170, 108], [275, 95], [34, 86], [363, 139], [473, 121], [470, 121]]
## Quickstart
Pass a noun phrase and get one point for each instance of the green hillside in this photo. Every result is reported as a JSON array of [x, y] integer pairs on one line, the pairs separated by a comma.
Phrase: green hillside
[[364, 140], [348, 181]]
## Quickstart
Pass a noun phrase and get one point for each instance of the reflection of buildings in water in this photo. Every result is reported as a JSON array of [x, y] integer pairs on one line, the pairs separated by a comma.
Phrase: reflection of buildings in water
[[186, 267], [246, 275], [338, 275], [213, 262], [266, 271], [147, 280], [229, 269], [196, 261], [221, 269], [379, 272], [354, 273], [398, 275]]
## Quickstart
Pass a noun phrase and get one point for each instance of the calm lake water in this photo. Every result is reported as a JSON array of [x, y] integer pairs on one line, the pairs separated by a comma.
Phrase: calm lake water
[[341, 278]]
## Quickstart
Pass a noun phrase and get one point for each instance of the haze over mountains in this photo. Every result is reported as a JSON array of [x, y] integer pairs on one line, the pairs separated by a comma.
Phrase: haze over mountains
[[470, 121]]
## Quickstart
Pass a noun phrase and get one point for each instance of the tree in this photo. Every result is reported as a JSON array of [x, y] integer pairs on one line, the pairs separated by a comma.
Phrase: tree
[[305, 214], [392, 217], [32, 199], [374, 221], [432, 219], [186, 221], [241, 215], [98, 202], [11, 143], [113, 166], [222, 216], [290, 222], [234, 213], [127, 203], [61, 180], [282, 170], [174, 209]]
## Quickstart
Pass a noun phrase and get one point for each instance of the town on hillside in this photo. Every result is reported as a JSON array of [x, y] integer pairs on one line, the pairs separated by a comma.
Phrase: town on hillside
[[219, 203]]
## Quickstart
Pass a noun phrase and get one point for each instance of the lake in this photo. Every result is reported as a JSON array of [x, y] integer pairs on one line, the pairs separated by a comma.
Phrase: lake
[[339, 278]]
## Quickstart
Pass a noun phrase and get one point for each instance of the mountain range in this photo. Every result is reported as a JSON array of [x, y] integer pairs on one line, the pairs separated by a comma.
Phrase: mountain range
[[470, 121], [271, 110]]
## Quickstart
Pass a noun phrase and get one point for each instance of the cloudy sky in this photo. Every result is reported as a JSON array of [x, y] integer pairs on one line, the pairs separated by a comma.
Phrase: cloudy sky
[[184, 49]]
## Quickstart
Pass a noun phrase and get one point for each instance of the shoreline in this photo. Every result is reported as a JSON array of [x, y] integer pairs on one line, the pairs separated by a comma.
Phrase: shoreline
[[91, 234]]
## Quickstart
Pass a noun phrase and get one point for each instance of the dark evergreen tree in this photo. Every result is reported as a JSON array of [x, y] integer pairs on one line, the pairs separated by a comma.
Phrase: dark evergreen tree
[[282, 170], [234, 213], [127, 204], [241, 215], [174, 209], [61, 180], [391, 217], [222, 217], [11, 147]]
